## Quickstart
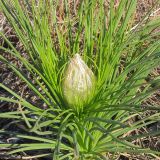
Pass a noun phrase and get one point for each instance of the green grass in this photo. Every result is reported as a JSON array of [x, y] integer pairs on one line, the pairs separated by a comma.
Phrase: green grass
[[115, 53]]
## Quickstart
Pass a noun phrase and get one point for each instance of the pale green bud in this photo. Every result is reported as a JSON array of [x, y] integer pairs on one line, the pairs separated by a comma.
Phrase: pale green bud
[[78, 83]]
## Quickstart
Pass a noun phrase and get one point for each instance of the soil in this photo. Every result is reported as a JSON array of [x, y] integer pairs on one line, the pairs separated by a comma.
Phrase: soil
[[7, 77]]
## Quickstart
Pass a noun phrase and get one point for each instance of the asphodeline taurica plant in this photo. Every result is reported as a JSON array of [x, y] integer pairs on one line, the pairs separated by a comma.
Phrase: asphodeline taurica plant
[[78, 84], [85, 106]]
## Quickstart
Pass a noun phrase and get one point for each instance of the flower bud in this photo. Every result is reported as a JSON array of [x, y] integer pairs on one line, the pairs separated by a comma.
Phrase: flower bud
[[78, 83]]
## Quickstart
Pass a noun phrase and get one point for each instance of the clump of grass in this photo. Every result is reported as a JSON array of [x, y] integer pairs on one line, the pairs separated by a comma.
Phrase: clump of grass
[[111, 48]]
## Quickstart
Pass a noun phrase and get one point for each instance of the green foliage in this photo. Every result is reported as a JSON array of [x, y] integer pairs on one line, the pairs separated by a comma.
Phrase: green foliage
[[112, 49]]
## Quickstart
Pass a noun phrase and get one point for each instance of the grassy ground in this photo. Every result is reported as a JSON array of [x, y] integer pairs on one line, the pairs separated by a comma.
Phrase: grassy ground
[[7, 77]]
